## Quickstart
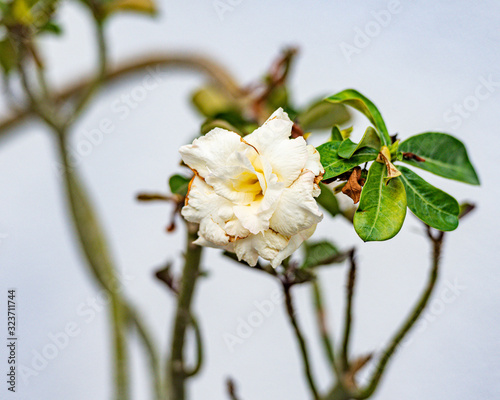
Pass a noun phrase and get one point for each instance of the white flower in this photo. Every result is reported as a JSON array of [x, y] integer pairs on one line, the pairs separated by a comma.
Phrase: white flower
[[254, 196]]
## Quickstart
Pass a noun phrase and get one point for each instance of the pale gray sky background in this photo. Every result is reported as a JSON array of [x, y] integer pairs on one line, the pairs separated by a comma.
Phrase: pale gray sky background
[[430, 56]]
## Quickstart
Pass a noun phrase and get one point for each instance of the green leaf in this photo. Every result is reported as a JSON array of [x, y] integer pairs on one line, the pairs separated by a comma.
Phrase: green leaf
[[334, 165], [433, 206], [356, 100], [135, 6], [210, 101], [321, 253], [322, 115], [328, 200], [444, 155], [52, 27], [8, 56], [336, 134], [382, 207], [370, 139], [179, 184]]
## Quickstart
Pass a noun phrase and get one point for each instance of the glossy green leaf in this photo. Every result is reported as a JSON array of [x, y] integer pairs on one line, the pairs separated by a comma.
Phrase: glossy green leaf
[[321, 253], [356, 100], [328, 200], [382, 207], [334, 165], [322, 115], [336, 134], [370, 139], [179, 184], [444, 155], [433, 206]]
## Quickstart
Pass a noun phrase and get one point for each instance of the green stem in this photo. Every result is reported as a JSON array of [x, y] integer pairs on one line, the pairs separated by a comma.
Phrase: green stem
[[338, 393], [348, 313], [101, 73], [94, 246], [199, 349], [322, 326], [152, 352], [176, 367], [301, 340], [437, 243], [119, 324]]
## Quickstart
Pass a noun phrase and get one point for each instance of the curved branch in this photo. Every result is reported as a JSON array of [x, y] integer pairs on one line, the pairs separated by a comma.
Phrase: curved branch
[[199, 349], [129, 67], [437, 244]]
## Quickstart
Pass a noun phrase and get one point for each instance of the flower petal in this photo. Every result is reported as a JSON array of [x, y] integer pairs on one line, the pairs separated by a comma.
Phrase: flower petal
[[293, 244], [245, 250], [210, 230], [277, 127], [212, 151], [313, 162], [269, 243], [255, 216], [202, 202], [297, 209], [287, 157]]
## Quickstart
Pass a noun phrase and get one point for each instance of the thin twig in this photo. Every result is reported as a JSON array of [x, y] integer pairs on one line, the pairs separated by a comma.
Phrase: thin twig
[[301, 340], [91, 89], [348, 311], [437, 243], [231, 389], [322, 326], [176, 369], [152, 352], [199, 349]]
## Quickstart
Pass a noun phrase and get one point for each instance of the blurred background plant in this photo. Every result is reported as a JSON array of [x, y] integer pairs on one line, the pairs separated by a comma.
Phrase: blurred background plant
[[224, 103]]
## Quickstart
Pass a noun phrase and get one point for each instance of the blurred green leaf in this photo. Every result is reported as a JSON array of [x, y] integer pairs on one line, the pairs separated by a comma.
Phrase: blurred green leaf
[[52, 27], [179, 184], [136, 6], [433, 206], [8, 56], [382, 208], [334, 165], [370, 139], [211, 101], [21, 12], [444, 155], [323, 115], [356, 100], [321, 253], [208, 125], [328, 200]]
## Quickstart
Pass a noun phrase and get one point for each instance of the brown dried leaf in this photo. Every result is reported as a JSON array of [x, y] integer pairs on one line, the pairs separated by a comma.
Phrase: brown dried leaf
[[354, 185], [385, 157]]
